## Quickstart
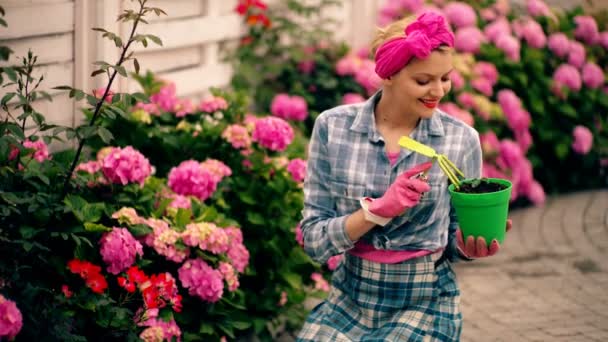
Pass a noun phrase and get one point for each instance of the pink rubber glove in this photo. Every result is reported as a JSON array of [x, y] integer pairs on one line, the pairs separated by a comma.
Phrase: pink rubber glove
[[477, 248], [404, 193]]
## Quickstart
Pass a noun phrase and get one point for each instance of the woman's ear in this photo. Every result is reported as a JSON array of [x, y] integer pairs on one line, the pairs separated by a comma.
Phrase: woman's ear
[[387, 81]]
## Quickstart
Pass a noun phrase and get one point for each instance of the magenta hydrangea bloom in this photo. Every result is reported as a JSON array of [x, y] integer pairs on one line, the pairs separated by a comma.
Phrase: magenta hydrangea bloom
[[126, 165], [577, 54], [239, 256], [119, 249], [537, 8], [510, 46], [217, 169], [237, 136], [201, 280], [212, 104], [460, 14], [189, 178], [468, 39], [567, 75], [289, 107], [41, 150], [583, 140], [593, 76], [11, 320], [559, 44], [230, 276], [497, 28], [297, 169], [586, 29], [272, 133], [166, 98], [350, 98]]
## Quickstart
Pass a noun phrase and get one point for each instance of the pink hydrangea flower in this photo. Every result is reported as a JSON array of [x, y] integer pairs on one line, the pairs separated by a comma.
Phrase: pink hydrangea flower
[[164, 242], [189, 178], [537, 8], [334, 261], [201, 280], [348, 65], [460, 14], [603, 39], [11, 320], [183, 107], [283, 299], [297, 169], [466, 100], [237, 136], [128, 216], [489, 143], [41, 150], [468, 39], [299, 235], [351, 98], [235, 235], [483, 86], [533, 34], [583, 140], [180, 201], [166, 98], [159, 330], [98, 93], [90, 167], [536, 193], [458, 81], [150, 108], [457, 112], [497, 28], [119, 249], [212, 104], [517, 117], [366, 76], [523, 138], [586, 29], [289, 107], [217, 168], [486, 70], [239, 256], [567, 75], [206, 236], [230, 276], [593, 76], [320, 282], [510, 46], [559, 44], [577, 54], [126, 165], [273, 133]]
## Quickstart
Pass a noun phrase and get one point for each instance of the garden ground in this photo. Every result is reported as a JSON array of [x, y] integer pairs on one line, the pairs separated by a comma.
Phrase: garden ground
[[549, 282]]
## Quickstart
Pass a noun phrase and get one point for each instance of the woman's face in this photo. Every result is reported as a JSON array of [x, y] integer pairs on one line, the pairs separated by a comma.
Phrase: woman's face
[[421, 84]]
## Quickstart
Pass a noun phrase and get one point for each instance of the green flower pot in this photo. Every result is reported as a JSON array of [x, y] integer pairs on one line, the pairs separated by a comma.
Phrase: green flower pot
[[483, 214]]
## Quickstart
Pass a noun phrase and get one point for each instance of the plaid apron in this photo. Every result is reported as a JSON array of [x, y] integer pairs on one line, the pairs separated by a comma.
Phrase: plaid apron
[[416, 300]]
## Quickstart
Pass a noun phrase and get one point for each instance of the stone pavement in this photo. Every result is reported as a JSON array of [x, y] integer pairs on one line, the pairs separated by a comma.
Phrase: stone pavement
[[550, 280]]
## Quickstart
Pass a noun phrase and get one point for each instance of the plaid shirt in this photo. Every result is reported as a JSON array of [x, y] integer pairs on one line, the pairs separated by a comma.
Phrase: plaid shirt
[[347, 161]]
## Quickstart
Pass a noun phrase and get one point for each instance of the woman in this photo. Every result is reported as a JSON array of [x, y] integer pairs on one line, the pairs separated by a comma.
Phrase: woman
[[387, 208]]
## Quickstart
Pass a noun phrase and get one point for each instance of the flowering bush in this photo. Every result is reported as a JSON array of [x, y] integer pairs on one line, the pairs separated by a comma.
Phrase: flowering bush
[[530, 81], [96, 246], [249, 172], [289, 67]]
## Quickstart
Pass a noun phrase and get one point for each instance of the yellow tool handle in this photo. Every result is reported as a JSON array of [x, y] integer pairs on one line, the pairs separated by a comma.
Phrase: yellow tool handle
[[415, 146]]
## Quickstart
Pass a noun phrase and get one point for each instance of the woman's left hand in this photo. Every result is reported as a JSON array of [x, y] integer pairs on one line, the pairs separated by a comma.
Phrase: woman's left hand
[[477, 248]]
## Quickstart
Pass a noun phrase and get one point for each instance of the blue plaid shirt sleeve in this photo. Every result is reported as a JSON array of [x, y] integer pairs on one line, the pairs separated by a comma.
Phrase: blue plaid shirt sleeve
[[472, 169], [323, 230]]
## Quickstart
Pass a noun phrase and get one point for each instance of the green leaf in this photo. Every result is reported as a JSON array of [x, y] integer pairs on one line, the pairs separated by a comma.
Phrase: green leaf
[[136, 65], [155, 39], [28, 232], [96, 227], [105, 134], [293, 279], [10, 72], [7, 98], [255, 218], [241, 325], [206, 328], [121, 70], [16, 130], [183, 217], [140, 229]]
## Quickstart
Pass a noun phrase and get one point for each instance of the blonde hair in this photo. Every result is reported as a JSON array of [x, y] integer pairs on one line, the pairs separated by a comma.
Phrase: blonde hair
[[394, 30]]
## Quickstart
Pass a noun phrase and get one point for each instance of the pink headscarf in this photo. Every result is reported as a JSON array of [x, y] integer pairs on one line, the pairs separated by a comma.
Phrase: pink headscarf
[[425, 34]]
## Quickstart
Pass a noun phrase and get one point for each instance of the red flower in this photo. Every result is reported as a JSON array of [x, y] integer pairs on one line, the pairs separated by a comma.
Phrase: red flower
[[244, 5], [254, 19], [126, 284], [136, 275], [66, 291], [83, 268], [97, 283]]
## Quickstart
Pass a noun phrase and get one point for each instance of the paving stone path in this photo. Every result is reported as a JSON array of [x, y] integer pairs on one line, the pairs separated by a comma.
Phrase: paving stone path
[[550, 280]]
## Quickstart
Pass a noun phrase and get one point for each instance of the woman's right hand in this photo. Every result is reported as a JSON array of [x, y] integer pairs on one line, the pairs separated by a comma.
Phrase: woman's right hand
[[404, 193]]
